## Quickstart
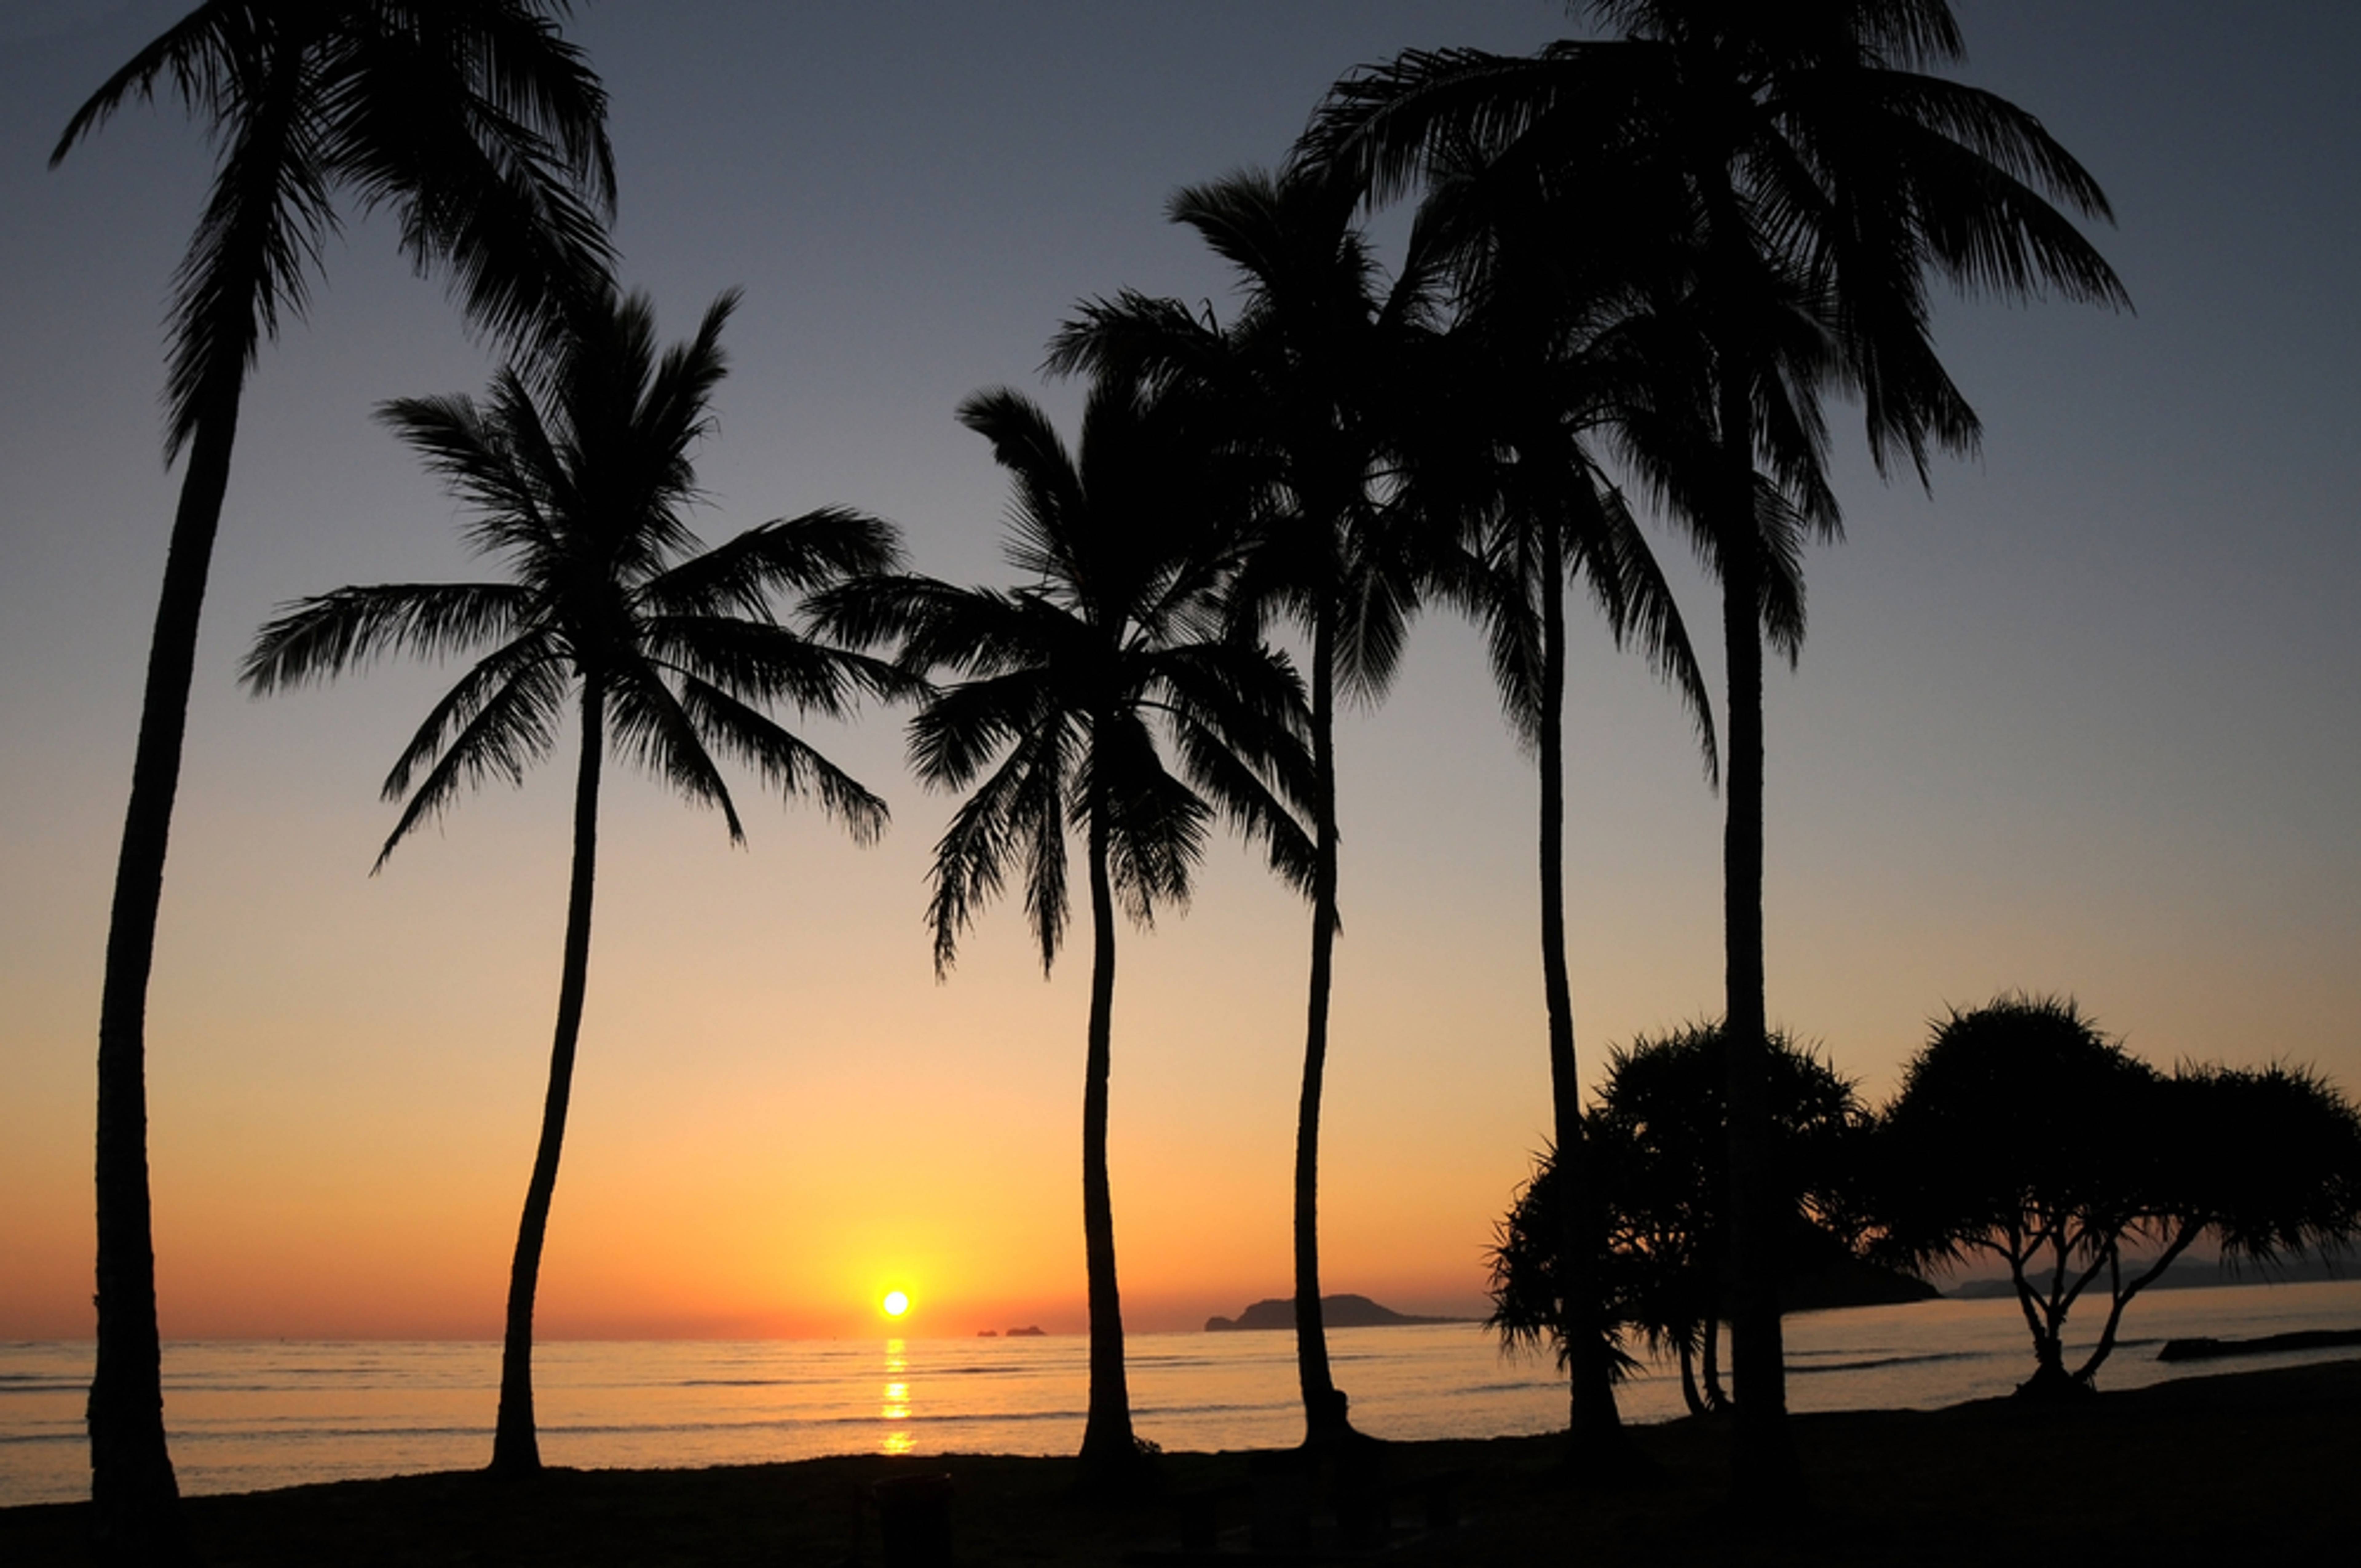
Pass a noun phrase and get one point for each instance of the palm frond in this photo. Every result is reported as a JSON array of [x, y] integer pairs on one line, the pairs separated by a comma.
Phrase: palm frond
[[317, 639], [805, 554], [204, 54], [533, 658], [513, 726], [763, 662], [955, 736], [653, 728], [787, 765]]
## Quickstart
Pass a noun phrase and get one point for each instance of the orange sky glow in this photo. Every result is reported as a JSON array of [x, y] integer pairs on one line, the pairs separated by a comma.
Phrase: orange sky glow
[[2083, 721]]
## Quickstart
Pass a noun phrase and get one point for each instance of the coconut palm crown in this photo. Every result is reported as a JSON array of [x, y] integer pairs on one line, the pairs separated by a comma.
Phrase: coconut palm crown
[[610, 609]]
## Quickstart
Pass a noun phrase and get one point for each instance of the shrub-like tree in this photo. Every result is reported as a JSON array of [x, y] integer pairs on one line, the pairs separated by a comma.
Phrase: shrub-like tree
[[1066, 683], [2023, 1133], [485, 132], [668, 651], [1658, 1142]]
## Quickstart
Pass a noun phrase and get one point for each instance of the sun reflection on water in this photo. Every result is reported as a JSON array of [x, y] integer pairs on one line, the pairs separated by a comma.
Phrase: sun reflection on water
[[895, 1406]]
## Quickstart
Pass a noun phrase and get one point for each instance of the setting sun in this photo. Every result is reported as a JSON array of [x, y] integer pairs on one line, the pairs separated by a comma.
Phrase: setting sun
[[896, 1302]]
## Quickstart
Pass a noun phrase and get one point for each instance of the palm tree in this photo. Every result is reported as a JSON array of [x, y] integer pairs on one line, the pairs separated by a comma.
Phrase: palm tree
[[1314, 377], [1065, 683], [1539, 359], [612, 608], [485, 131], [1806, 172]]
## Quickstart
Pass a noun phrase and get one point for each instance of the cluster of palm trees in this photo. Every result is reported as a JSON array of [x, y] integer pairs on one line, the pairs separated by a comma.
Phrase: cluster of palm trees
[[1652, 255]]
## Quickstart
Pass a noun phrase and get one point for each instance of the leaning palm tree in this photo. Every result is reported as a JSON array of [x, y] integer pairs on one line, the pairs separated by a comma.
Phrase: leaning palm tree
[[1805, 170], [485, 132], [1065, 683], [1314, 380], [611, 610]]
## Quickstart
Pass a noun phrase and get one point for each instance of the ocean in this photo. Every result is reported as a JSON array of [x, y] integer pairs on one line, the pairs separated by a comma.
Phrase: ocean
[[244, 1416]]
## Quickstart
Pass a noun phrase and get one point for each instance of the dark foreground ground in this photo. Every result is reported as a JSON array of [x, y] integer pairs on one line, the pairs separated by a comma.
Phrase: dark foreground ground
[[2251, 1468]]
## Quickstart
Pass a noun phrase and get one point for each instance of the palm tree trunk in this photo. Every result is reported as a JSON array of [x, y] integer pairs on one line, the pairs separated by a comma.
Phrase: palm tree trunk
[[1593, 1422], [1323, 1406], [135, 1498], [1107, 1445], [516, 1450], [1686, 1353], [1763, 1465]]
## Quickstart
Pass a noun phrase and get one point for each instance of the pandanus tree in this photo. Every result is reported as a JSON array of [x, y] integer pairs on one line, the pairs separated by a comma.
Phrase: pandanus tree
[[1315, 380], [1104, 697], [2025, 1134], [1805, 167], [669, 653], [484, 132]]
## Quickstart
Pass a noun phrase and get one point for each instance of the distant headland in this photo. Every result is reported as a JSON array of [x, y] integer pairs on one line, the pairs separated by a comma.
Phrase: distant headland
[[1336, 1313]]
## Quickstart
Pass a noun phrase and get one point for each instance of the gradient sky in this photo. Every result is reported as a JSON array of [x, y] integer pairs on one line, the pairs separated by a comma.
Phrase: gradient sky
[[2084, 721]]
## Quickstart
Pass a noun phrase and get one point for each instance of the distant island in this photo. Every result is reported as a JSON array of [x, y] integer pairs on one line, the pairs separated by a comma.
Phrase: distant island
[[1031, 1330], [1335, 1311], [1851, 1283], [2193, 1274]]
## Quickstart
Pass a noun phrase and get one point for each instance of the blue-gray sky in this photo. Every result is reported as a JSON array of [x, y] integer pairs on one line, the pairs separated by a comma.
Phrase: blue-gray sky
[[2083, 720]]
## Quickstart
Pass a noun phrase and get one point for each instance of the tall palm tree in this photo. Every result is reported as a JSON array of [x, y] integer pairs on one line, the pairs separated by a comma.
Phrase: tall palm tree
[[611, 609], [1313, 379], [1547, 517], [485, 132], [1065, 683], [1539, 358], [1813, 171]]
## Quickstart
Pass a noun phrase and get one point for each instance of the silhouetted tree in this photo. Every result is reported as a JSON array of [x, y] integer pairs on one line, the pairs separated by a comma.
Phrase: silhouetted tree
[[1659, 1143], [613, 608], [2023, 1132], [1315, 376], [1805, 173], [1537, 364], [1067, 683], [485, 131]]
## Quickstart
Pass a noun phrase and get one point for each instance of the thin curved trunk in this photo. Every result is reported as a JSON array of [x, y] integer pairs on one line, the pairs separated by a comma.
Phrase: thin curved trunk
[[2120, 1295], [1108, 1441], [135, 1496], [516, 1449], [1323, 1406], [1686, 1353], [1763, 1466], [1593, 1421]]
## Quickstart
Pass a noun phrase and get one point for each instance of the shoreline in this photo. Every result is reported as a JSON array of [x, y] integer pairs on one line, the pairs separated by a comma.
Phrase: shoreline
[[2203, 1468]]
